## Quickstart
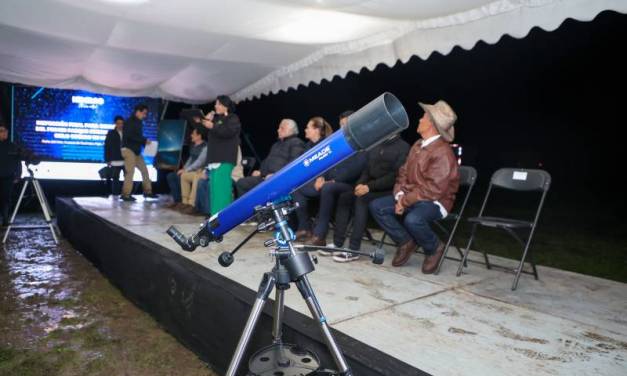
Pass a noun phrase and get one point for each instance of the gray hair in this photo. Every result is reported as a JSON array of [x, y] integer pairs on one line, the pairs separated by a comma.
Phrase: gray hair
[[292, 126]]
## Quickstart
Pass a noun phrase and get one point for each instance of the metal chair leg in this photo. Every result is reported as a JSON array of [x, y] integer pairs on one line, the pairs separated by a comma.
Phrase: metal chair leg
[[521, 265], [466, 251]]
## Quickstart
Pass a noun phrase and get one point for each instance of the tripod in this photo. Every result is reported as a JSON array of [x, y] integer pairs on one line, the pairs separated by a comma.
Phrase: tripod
[[43, 202], [291, 266]]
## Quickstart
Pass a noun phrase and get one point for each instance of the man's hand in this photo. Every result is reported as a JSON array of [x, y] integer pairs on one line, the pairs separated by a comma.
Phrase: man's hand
[[361, 189], [256, 173], [210, 115], [399, 209], [319, 183], [204, 175], [180, 172], [148, 142], [268, 176]]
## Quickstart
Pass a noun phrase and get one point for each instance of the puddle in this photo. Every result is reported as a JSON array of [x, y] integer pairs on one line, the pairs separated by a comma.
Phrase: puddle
[[59, 315]]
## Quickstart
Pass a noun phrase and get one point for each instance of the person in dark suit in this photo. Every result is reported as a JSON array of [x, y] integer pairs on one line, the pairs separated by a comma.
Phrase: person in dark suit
[[113, 155], [132, 141], [9, 167], [287, 148], [376, 180]]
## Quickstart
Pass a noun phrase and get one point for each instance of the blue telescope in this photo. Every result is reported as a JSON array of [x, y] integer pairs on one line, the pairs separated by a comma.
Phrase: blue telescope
[[374, 123]]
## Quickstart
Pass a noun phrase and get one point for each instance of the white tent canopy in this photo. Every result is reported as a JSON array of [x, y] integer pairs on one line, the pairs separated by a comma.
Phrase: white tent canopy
[[194, 50]]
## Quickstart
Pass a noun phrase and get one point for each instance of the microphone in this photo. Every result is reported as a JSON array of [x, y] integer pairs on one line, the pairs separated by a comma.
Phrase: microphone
[[376, 122]]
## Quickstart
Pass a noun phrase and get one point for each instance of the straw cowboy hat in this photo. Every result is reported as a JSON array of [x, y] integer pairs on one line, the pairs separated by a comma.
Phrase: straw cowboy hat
[[443, 118]]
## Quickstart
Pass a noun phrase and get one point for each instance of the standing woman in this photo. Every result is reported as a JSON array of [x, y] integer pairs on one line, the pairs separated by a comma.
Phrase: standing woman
[[223, 128]]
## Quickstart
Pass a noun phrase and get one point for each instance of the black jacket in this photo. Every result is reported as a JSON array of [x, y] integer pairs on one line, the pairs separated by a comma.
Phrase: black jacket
[[113, 146], [133, 135], [384, 160], [9, 159], [223, 139], [347, 171], [282, 152]]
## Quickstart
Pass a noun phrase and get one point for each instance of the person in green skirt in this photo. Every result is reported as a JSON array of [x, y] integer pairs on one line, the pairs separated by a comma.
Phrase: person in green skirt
[[223, 128]]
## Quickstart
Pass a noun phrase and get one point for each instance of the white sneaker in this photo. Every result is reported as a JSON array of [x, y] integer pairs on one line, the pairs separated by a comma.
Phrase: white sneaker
[[325, 253], [345, 257]]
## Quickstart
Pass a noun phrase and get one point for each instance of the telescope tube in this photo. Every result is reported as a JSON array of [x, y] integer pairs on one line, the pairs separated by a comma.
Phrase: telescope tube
[[376, 122]]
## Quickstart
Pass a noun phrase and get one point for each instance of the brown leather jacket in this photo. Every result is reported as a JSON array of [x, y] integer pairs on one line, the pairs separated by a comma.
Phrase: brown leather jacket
[[430, 173]]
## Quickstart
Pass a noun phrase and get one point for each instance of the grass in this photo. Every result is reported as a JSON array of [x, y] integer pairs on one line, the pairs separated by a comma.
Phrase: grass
[[583, 238]]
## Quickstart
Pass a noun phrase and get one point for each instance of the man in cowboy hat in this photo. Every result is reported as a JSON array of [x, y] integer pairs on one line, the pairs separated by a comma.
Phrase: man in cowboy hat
[[424, 191]]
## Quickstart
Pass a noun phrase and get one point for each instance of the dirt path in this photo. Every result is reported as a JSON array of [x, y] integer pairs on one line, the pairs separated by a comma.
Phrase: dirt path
[[60, 316]]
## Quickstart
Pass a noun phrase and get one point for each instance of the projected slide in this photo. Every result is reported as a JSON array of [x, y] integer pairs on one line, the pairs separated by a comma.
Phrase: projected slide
[[63, 126]]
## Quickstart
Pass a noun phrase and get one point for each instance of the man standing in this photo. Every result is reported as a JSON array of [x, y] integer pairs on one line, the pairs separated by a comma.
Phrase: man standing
[[425, 189], [113, 155], [9, 166], [285, 150], [132, 141], [376, 180]]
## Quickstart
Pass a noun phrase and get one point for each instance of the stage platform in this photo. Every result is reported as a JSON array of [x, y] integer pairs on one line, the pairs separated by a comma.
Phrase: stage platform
[[389, 321]]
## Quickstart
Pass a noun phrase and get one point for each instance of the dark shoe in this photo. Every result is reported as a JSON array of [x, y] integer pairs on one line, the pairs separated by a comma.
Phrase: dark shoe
[[151, 195], [314, 240], [128, 198], [430, 264], [189, 210], [302, 235], [172, 205], [403, 253]]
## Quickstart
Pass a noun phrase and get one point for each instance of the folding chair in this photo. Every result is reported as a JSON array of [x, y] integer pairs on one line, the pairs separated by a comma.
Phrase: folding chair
[[467, 179], [519, 180], [249, 164]]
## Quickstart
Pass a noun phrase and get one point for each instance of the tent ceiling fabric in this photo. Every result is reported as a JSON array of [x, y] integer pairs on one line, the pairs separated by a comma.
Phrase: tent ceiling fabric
[[194, 50]]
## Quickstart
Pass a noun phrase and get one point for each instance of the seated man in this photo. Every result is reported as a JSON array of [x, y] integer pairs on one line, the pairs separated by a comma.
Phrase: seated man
[[185, 180], [376, 180], [285, 150], [424, 191]]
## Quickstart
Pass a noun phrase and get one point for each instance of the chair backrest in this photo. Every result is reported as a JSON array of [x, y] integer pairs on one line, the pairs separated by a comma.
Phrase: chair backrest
[[249, 162], [467, 176], [518, 179]]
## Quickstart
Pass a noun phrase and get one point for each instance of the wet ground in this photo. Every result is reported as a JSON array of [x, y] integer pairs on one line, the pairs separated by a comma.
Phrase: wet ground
[[60, 316]]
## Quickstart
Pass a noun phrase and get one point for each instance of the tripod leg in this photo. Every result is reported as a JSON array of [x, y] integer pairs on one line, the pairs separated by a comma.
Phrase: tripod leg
[[277, 326], [45, 208], [314, 307], [265, 288], [17, 208]]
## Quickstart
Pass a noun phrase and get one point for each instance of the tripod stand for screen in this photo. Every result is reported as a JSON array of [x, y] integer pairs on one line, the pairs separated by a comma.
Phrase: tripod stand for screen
[[31, 180]]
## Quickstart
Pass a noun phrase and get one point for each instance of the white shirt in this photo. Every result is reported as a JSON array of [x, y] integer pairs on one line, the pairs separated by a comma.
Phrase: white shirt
[[424, 144]]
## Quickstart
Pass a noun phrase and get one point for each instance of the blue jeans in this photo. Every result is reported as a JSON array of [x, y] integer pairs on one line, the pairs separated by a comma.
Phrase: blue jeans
[[174, 182], [414, 224], [328, 194], [202, 197]]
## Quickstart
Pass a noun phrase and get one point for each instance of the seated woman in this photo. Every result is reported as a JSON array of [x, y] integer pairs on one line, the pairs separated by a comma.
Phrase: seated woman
[[317, 129]]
